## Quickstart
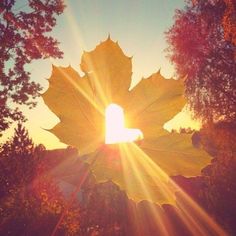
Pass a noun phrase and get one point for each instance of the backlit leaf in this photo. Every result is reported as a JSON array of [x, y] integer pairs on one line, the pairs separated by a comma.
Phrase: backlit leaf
[[143, 169]]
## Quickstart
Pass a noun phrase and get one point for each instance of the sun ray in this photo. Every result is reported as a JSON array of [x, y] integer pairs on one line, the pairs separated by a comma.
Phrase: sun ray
[[189, 218], [139, 161], [74, 29], [77, 35], [130, 159], [82, 92], [158, 177], [81, 45]]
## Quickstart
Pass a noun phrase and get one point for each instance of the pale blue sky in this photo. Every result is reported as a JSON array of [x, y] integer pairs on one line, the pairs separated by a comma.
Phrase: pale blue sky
[[137, 25]]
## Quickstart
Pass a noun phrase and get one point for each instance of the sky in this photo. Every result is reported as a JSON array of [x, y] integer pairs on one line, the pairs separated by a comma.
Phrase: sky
[[138, 26]]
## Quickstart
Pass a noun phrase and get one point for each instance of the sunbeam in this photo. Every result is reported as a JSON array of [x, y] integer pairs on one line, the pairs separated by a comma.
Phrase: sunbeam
[[195, 218], [130, 159]]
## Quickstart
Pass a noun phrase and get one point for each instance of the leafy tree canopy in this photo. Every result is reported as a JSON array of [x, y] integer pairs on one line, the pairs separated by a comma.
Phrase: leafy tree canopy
[[24, 37], [201, 50]]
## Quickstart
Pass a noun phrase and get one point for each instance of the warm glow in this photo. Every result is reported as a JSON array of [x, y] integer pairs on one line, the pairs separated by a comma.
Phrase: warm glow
[[115, 127]]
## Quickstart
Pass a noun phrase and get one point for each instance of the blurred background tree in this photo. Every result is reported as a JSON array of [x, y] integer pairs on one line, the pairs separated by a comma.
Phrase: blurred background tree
[[31, 202], [24, 37], [229, 21], [32, 198], [201, 46], [215, 189]]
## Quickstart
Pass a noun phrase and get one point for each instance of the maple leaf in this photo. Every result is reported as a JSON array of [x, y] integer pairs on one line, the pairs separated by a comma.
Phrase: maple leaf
[[80, 101]]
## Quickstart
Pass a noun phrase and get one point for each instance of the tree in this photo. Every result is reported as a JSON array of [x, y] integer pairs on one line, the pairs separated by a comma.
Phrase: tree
[[229, 21], [24, 38], [30, 199], [199, 50], [215, 189], [17, 161]]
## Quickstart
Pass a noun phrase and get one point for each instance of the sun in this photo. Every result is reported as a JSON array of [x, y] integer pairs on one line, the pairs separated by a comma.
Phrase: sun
[[116, 132]]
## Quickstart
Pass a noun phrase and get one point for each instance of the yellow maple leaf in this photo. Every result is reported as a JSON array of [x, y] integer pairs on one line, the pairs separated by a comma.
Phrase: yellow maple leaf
[[80, 101]]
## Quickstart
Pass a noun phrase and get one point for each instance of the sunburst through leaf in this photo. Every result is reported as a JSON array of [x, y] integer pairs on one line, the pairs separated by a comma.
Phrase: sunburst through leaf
[[80, 102]]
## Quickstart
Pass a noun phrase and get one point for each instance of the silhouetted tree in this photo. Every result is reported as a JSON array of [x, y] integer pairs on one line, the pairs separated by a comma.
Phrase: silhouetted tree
[[215, 189], [24, 37], [30, 200], [219, 192], [17, 161]]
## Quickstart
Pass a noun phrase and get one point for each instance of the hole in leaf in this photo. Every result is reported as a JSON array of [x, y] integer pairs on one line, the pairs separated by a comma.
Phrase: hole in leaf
[[116, 132]]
